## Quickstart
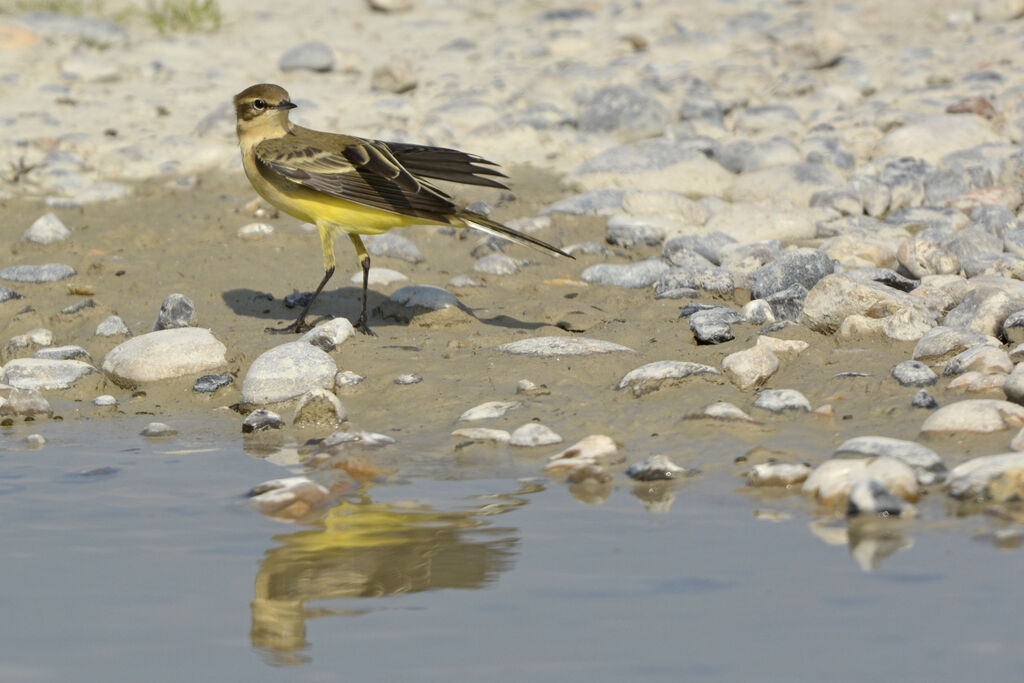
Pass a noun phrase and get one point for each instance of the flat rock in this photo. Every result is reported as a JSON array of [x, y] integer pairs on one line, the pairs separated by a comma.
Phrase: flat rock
[[781, 400], [631, 275], [928, 466], [287, 371], [975, 415], [311, 56], [482, 434], [552, 347], [914, 373], [998, 478], [50, 272], [425, 296], [778, 474], [25, 403], [533, 434], [653, 376], [942, 342], [164, 354], [800, 266], [41, 373], [489, 410]]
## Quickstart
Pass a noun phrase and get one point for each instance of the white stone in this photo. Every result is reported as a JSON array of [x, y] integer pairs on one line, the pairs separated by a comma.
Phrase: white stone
[[587, 451], [47, 229], [488, 411], [41, 373], [831, 481], [482, 434], [549, 347], [992, 477], [165, 354], [652, 376], [379, 277], [975, 415], [329, 335], [534, 434], [750, 368], [287, 371]]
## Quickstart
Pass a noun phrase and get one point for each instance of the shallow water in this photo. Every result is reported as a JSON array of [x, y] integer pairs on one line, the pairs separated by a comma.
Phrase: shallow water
[[138, 559]]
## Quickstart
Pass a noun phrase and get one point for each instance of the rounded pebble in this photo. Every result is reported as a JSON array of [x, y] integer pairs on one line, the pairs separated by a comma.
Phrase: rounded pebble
[[534, 434]]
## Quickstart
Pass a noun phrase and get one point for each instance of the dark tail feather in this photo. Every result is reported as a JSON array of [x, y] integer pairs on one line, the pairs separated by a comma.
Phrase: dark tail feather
[[442, 163], [475, 220]]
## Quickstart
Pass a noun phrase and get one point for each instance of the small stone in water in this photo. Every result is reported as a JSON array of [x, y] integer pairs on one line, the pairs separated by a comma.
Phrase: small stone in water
[[482, 434], [534, 434], [658, 467], [261, 419], [158, 429], [779, 400], [25, 403], [923, 399], [778, 474], [410, 378], [35, 441], [587, 451], [207, 384], [104, 400]]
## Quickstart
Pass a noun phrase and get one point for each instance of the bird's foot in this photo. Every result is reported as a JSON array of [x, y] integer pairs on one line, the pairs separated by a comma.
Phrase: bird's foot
[[300, 325], [363, 327]]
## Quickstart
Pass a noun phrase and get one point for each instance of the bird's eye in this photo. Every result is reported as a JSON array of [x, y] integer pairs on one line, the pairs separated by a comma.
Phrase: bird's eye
[[259, 104]]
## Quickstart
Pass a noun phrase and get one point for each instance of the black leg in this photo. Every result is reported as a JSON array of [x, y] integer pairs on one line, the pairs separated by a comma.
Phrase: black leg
[[300, 323], [361, 324]]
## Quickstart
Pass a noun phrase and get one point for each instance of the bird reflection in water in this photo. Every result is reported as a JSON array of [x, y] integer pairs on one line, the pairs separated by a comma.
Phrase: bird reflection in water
[[362, 549]]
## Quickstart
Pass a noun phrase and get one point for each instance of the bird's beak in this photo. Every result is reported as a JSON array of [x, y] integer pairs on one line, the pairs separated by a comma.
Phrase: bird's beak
[[286, 105]]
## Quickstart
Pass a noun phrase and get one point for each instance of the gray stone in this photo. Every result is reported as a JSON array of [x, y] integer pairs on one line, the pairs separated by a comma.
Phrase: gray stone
[[89, 29], [553, 347], [497, 264], [927, 465], [600, 202], [923, 399], [913, 373], [425, 296], [745, 156], [347, 378], [658, 468], [165, 354], [533, 434], [653, 376], [714, 280], [40, 373], [50, 272], [207, 384], [112, 326], [70, 352], [408, 378], [713, 326], [984, 309], [330, 334], [489, 410], [885, 276], [47, 229], [711, 246], [287, 371], [939, 343], [800, 266], [394, 246], [158, 429], [633, 275], [627, 231], [25, 403], [788, 303], [7, 294], [397, 75], [758, 312], [981, 358], [260, 420], [975, 415], [1013, 328], [312, 56], [874, 196], [623, 112], [177, 310], [870, 497], [781, 400]]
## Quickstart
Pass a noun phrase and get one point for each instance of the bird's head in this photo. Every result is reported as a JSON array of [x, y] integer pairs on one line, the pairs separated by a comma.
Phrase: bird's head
[[263, 106]]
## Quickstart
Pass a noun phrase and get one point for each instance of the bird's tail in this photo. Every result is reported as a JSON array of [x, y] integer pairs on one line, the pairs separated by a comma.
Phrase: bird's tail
[[484, 224]]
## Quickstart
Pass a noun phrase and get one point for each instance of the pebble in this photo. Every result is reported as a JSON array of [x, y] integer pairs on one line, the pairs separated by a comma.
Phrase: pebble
[[255, 230], [207, 384], [923, 399], [41, 373], [658, 468], [330, 335], [409, 378], [347, 378], [112, 326], [914, 373], [397, 76], [68, 352], [758, 312], [803, 266], [165, 354], [47, 229], [177, 310], [319, 407], [50, 272], [287, 371], [497, 264], [599, 202], [482, 434], [261, 419], [533, 434], [104, 400], [528, 388], [831, 482], [489, 411], [25, 403], [975, 415], [35, 441], [311, 56], [778, 474], [425, 296], [8, 294], [713, 325], [750, 368], [998, 478], [634, 275], [781, 400], [467, 280], [586, 452], [652, 376], [723, 410], [1013, 327], [380, 277], [624, 113], [979, 358], [394, 246], [553, 347], [870, 497], [156, 429], [928, 466], [941, 342]]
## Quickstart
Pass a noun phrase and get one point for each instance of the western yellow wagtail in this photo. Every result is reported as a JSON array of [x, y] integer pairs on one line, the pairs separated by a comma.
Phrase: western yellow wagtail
[[351, 185]]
